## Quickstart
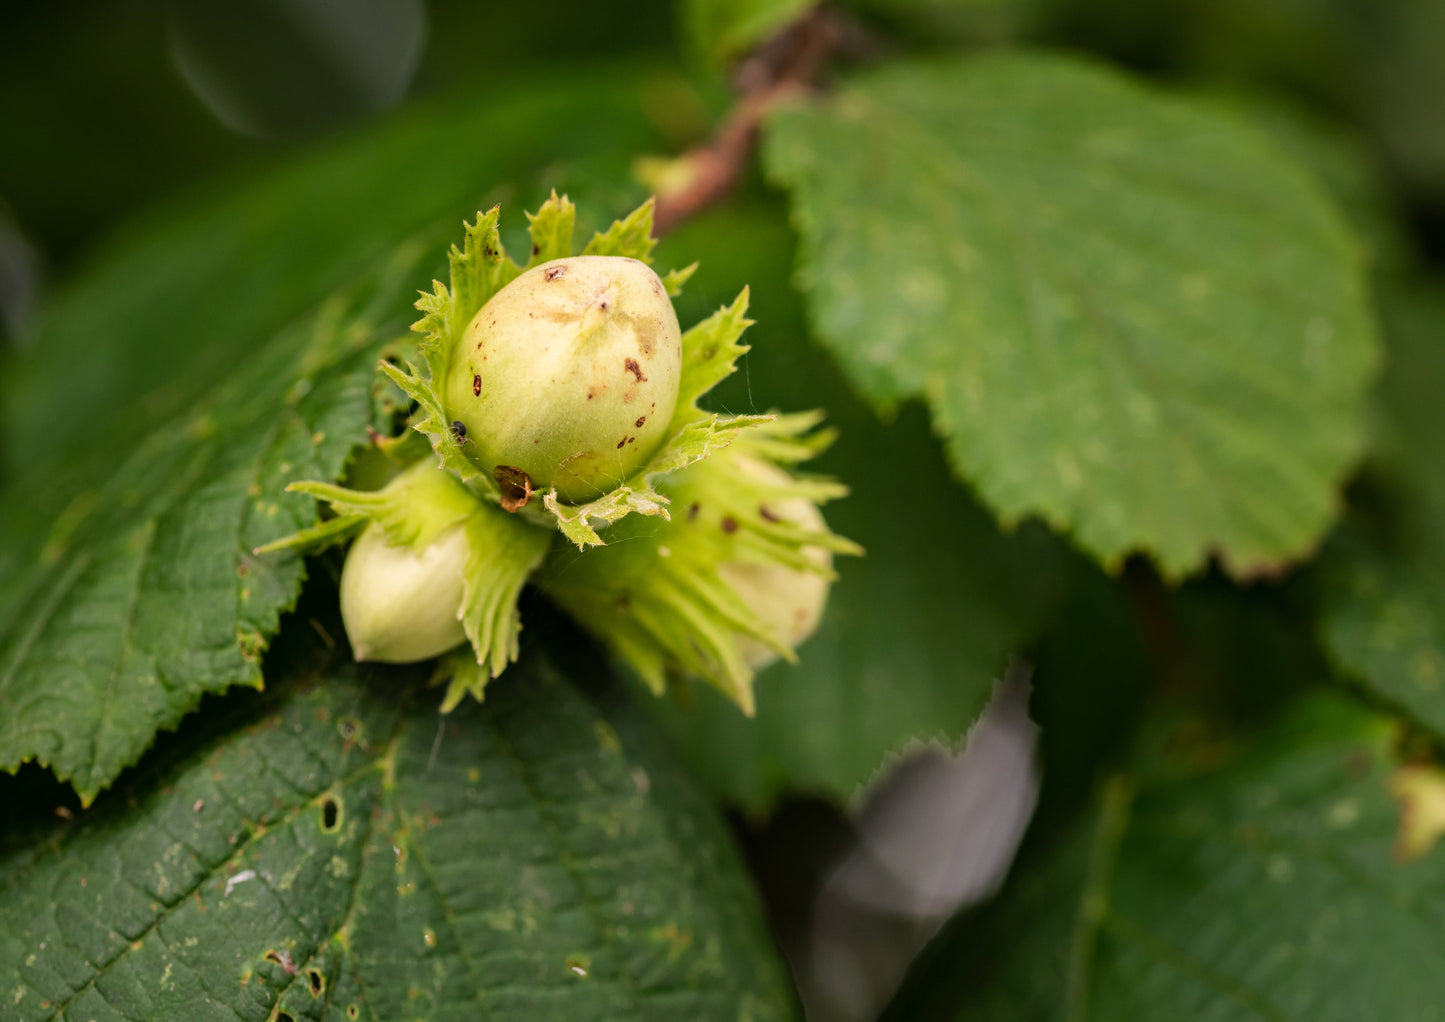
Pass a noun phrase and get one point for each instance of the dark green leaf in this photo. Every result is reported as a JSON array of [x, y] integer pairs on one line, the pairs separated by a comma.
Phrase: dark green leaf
[[1347, 165], [153, 596], [1128, 313], [1254, 879], [918, 628], [341, 851], [1384, 615]]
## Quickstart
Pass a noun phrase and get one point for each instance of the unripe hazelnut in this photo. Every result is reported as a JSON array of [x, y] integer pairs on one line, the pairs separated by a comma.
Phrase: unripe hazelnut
[[788, 602], [399, 605], [567, 378]]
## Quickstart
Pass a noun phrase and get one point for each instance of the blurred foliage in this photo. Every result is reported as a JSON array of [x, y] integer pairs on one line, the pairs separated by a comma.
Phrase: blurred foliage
[[1111, 300], [97, 119], [1384, 616], [1223, 879]]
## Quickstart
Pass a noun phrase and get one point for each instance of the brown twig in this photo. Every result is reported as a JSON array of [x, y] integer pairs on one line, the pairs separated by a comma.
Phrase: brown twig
[[785, 66]]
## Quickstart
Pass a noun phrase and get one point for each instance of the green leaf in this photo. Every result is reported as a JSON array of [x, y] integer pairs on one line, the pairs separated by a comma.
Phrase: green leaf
[[1263, 878], [917, 629], [1129, 315], [151, 595], [1383, 619], [181, 381], [1346, 163], [722, 30], [339, 851]]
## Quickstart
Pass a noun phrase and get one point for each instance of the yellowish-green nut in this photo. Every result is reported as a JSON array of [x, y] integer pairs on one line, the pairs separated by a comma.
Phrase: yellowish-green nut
[[567, 378], [398, 605], [788, 602]]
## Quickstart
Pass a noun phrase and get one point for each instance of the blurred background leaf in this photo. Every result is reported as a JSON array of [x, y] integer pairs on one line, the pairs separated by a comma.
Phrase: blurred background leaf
[[144, 594], [1128, 315], [1383, 618], [722, 30], [1258, 877]]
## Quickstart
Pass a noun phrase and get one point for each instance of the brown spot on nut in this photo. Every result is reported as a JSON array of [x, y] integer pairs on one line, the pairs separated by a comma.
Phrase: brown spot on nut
[[640, 420], [768, 515], [476, 385], [553, 273], [630, 364], [692, 510], [729, 525], [516, 487], [621, 442]]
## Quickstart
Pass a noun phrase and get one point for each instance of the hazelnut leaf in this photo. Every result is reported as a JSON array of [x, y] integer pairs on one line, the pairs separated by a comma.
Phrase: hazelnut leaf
[[332, 848], [1288, 830], [1128, 313], [1383, 615]]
